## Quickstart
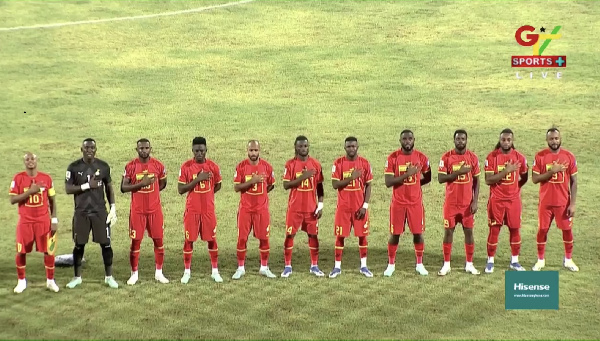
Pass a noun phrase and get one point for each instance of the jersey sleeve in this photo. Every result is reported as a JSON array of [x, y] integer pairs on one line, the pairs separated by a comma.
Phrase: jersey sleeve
[[490, 164], [182, 175], [271, 176], [443, 166], [425, 166], [107, 177], [70, 175], [15, 186], [537, 164], [390, 165], [288, 172], [336, 171], [162, 171], [51, 190], [217, 177], [572, 169], [238, 176], [128, 173], [524, 166], [475, 171], [319, 176], [368, 174]]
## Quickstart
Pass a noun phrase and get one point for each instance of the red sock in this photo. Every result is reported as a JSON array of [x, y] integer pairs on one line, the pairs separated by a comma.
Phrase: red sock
[[447, 249], [313, 245], [339, 248], [392, 253], [159, 253], [363, 246], [20, 259], [288, 247], [541, 238], [419, 249], [241, 251], [134, 254], [188, 250], [469, 251], [264, 249], [213, 251], [515, 241], [568, 241], [49, 264], [492, 242]]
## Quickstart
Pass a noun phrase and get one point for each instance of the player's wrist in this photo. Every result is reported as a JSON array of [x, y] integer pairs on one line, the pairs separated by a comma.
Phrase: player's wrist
[[54, 220], [85, 186], [365, 205], [319, 206]]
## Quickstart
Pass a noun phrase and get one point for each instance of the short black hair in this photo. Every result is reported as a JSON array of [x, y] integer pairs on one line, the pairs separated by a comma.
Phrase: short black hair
[[198, 140], [552, 130], [301, 138], [505, 131], [350, 139], [89, 139], [461, 131], [143, 140], [406, 131]]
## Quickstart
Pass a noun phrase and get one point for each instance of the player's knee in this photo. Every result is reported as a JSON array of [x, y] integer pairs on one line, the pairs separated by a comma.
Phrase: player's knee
[[242, 243], [449, 232], [291, 236], [107, 254], [394, 239], [417, 238]]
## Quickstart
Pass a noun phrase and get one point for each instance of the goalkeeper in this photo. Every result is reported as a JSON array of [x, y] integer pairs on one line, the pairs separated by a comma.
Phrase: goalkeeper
[[88, 179]]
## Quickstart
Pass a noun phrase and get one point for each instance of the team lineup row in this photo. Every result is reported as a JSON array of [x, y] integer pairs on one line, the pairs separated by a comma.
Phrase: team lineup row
[[406, 170]]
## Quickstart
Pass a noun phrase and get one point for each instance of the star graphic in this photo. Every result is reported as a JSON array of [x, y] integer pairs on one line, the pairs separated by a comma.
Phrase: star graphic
[[542, 29]]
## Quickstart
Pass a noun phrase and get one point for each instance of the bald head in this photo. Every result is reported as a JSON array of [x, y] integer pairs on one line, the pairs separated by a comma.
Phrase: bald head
[[30, 160], [253, 150]]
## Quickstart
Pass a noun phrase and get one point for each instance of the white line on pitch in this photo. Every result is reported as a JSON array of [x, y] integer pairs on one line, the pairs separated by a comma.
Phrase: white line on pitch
[[136, 17]]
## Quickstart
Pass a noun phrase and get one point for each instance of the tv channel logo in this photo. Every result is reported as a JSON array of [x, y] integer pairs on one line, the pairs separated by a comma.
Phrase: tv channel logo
[[526, 37]]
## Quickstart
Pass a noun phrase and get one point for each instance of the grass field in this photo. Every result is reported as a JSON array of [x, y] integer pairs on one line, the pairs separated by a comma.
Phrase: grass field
[[273, 70]]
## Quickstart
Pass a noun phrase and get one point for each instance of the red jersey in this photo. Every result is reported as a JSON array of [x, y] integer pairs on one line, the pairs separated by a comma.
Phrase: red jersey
[[36, 208], [397, 163], [202, 198], [508, 187], [460, 191], [557, 190], [304, 197], [256, 198], [351, 197], [146, 200]]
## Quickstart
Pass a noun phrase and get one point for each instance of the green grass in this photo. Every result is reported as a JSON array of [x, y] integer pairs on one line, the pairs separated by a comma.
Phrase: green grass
[[272, 70]]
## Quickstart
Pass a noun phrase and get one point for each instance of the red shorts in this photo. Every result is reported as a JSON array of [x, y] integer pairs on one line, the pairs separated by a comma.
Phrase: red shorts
[[140, 222], [307, 221], [28, 233], [346, 220], [413, 214], [458, 214], [559, 213], [504, 212], [200, 224], [259, 222]]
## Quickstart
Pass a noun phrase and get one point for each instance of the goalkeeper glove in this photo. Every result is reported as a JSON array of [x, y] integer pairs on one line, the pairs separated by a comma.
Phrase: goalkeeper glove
[[112, 215]]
